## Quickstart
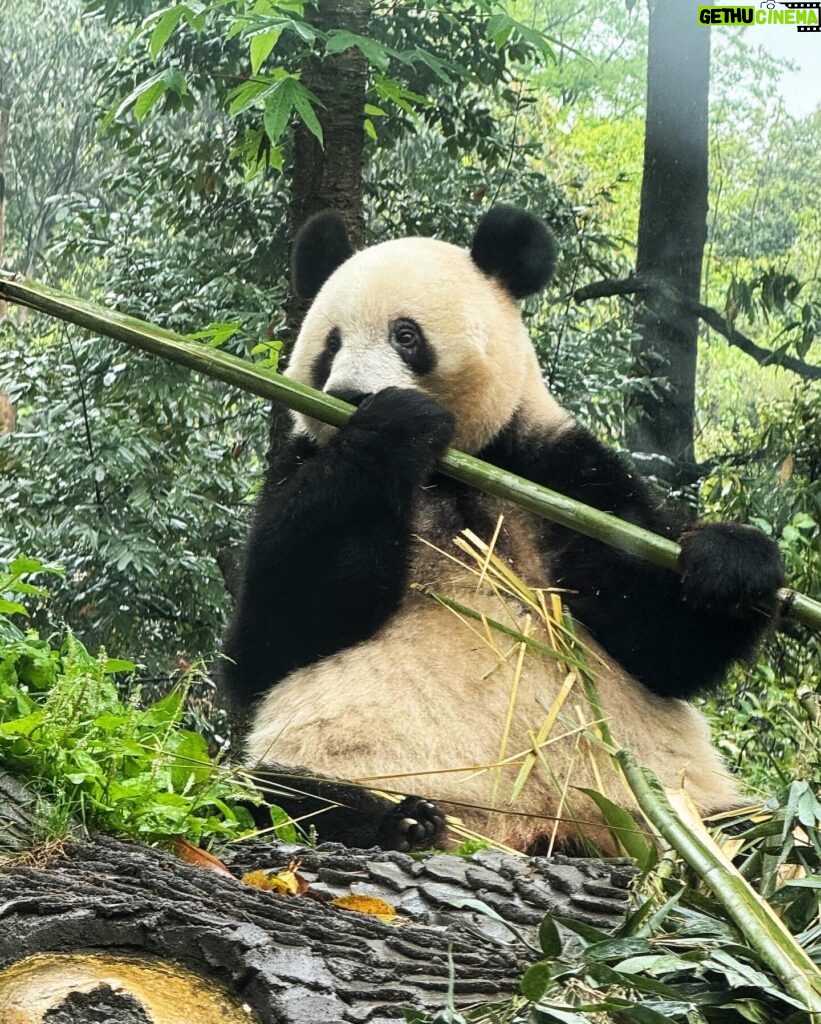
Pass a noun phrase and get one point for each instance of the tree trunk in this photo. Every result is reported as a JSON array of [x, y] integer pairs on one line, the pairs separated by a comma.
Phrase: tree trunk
[[672, 231], [329, 176], [134, 934], [5, 117]]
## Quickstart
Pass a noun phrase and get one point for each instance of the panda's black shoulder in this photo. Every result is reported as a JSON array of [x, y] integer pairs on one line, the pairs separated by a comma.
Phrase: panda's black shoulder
[[571, 460]]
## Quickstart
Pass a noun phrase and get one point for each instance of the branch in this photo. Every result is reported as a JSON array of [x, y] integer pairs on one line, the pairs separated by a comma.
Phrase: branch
[[763, 356], [710, 316], [606, 289]]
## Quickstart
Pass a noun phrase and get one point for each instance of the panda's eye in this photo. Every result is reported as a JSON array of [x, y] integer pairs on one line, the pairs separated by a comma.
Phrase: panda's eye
[[333, 343], [406, 333]]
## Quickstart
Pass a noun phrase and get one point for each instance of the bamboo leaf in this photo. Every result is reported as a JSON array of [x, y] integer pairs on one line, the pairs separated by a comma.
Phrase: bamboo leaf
[[624, 829], [759, 924]]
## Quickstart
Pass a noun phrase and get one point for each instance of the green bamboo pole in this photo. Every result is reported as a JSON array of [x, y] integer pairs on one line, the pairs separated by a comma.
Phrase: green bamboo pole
[[222, 366], [756, 920]]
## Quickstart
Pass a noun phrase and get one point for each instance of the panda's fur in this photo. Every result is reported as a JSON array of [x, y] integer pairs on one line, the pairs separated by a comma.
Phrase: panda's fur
[[353, 674]]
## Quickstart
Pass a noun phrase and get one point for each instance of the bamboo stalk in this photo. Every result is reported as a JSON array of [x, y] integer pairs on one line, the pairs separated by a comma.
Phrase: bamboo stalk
[[258, 381], [756, 920]]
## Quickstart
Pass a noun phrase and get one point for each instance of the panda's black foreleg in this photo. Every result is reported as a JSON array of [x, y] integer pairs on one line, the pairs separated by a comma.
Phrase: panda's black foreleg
[[326, 560], [343, 812], [676, 633]]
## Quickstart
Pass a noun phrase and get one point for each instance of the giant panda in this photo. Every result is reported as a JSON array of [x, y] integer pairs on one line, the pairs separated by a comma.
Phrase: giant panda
[[349, 672]]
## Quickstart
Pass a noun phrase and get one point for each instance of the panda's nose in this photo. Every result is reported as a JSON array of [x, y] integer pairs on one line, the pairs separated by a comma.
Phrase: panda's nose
[[350, 395]]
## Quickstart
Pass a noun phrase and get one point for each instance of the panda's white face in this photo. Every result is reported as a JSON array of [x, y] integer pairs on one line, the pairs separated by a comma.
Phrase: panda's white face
[[418, 313]]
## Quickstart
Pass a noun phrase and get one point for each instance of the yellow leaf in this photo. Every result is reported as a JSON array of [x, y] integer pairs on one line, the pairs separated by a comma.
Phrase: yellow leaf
[[287, 881], [366, 905], [785, 472]]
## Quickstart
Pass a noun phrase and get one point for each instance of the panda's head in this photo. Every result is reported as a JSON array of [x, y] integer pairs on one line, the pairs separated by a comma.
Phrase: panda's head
[[420, 313]]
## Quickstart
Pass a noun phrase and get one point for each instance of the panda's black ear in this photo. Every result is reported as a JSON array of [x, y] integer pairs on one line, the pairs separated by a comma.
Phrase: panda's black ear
[[321, 245], [516, 248]]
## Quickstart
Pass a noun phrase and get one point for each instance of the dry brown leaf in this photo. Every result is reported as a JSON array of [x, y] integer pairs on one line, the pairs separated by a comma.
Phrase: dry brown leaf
[[199, 858], [370, 905]]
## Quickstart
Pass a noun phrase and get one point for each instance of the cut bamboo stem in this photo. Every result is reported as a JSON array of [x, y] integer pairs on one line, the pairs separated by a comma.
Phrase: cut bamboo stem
[[764, 931], [541, 501]]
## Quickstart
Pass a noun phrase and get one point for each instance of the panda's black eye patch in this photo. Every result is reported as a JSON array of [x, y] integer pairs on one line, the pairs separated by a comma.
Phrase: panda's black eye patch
[[408, 339], [321, 366]]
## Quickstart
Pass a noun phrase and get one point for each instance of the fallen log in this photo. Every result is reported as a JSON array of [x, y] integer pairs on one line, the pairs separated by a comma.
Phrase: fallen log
[[107, 930]]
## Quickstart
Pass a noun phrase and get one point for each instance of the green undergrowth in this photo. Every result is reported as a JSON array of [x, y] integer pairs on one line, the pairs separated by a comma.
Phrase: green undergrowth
[[680, 957], [98, 760]]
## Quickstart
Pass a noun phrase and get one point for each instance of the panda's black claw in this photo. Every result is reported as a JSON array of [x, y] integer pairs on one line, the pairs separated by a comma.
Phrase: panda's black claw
[[414, 824]]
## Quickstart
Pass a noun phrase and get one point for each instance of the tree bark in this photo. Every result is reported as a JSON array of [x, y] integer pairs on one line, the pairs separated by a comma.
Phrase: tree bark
[[291, 959], [329, 176], [5, 118], [672, 230]]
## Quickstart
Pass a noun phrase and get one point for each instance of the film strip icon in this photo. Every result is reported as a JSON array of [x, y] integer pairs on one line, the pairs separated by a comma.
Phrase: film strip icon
[[813, 5]]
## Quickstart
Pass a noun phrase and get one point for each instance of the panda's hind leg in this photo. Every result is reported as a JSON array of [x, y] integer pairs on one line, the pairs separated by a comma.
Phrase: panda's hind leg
[[344, 812]]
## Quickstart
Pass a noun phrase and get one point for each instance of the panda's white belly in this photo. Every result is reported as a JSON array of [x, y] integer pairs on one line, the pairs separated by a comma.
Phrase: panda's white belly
[[427, 706]]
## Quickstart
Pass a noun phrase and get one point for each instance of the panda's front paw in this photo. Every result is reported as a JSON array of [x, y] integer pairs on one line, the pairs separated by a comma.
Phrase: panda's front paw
[[729, 569], [408, 418], [414, 824]]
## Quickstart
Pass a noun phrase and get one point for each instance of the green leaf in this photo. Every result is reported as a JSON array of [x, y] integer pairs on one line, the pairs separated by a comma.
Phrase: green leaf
[[126, 103], [216, 334], [498, 29], [11, 608], [302, 103], [655, 963], [613, 949], [390, 89], [557, 1015], [164, 29], [339, 39], [585, 931], [118, 665], [482, 908], [624, 829], [549, 938], [164, 712], [278, 107], [261, 46], [20, 566], [247, 94], [536, 981]]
